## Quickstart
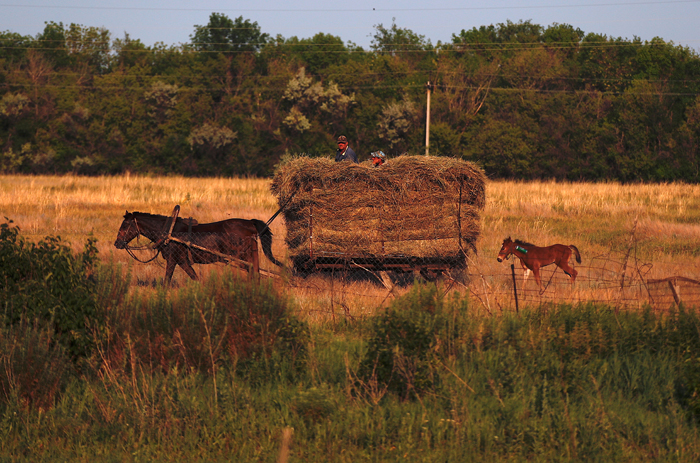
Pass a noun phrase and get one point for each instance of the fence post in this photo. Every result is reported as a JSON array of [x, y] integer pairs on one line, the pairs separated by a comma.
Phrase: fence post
[[676, 296], [515, 288]]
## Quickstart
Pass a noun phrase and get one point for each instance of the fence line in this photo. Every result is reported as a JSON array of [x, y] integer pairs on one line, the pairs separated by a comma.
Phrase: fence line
[[617, 279]]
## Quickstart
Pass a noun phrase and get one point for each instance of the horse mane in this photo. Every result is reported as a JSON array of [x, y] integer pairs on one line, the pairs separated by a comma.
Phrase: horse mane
[[524, 243], [180, 220]]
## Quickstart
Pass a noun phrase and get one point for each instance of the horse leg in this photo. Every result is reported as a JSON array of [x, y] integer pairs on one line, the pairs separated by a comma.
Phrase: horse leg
[[526, 271], [569, 271], [169, 269], [255, 259], [185, 265], [536, 272]]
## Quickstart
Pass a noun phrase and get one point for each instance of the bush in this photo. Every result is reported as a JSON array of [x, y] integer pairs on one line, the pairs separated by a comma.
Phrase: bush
[[409, 339], [46, 283], [225, 321], [34, 367]]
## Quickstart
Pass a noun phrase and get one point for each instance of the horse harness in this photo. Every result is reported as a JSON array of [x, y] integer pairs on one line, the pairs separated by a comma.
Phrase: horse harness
[[129, 249], [170, 225]]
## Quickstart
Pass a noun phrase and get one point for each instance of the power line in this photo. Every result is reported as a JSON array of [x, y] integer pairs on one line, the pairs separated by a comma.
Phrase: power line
[[447, 48], [365, 75], [420, 85], [356, 10]]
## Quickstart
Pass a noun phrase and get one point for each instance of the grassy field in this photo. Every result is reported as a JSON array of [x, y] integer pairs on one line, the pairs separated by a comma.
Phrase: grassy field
[[319, 369], [631, 232]]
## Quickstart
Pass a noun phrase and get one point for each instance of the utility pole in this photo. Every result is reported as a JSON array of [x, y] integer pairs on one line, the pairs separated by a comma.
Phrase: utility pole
[[429, 88]]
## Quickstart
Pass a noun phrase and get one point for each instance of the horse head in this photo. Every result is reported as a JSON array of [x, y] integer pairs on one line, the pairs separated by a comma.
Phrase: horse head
[[128, 230], [506, 249]]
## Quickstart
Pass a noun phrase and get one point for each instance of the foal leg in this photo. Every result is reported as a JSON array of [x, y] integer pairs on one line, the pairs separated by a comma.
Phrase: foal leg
[[569, 271], [536, 272], [526, 271]]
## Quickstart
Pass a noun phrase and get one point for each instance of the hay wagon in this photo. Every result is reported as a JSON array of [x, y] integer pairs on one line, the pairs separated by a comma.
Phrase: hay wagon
[[414, 214]]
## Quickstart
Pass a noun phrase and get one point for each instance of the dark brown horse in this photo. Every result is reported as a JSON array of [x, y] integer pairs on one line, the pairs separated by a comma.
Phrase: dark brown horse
[[231, 241], [534, 257]]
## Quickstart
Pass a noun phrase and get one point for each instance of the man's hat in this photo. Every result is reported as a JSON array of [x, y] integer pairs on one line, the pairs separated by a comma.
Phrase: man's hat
[[342, 138]]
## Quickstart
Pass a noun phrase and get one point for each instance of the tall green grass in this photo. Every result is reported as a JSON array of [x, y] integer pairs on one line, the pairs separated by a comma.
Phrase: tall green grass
[[216, 371]]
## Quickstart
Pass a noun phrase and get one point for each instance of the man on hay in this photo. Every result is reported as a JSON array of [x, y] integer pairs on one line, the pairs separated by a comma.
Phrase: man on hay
[[344, 152]]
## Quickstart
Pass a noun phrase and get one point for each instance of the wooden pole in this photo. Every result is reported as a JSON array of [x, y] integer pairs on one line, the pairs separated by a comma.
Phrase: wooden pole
[[515, 288], [428, 87]]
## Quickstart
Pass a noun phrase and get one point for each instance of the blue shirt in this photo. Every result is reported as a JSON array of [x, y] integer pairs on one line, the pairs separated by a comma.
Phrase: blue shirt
[[347, 155]]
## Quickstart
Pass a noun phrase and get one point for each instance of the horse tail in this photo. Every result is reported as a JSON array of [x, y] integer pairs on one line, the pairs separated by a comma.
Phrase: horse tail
[[266, 240], [578, 254]]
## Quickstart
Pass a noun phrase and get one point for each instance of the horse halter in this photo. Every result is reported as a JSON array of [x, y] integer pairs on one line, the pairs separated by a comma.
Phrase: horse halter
[[509, 253], [130, 249]]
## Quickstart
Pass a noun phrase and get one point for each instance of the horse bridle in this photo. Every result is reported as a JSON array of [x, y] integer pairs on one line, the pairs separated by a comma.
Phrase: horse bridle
[[130, 249]]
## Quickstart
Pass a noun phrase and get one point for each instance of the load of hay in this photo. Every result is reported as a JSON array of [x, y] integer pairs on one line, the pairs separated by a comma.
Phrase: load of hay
[[419, 206]]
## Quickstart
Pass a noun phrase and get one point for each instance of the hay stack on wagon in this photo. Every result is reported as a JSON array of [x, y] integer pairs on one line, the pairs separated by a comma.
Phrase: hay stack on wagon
[[420, 206]]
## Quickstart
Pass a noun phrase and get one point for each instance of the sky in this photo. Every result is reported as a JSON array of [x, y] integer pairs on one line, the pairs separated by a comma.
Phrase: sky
[[172, 22]]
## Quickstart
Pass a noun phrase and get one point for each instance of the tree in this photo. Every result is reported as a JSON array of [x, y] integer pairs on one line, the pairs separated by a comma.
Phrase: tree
[[13, 46], [52, 44], [318, 52], [224, 35], [400, 42], [395, 121], [210, 145], [313, 102], [502, 149], [128, 53], [495, 42], [89, 45]]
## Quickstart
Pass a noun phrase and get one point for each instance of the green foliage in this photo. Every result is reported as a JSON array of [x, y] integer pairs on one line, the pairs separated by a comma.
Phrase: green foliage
[[222, 34], [395, 120], [526, 101], [226, 323], [35, 366], [408, 341], [319, 52], [46, 283], [550, 383], [313, 405], [397, 39], [13, 46]]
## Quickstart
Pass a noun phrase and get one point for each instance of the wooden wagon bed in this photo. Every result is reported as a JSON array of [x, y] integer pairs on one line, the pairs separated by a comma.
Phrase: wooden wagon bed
[[425, 265]]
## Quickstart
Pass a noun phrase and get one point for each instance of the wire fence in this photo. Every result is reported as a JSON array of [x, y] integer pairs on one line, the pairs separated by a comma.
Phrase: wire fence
[[620, 280]]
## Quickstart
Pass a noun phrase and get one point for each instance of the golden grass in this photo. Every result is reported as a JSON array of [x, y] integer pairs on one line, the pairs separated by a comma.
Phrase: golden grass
[[598, 218]]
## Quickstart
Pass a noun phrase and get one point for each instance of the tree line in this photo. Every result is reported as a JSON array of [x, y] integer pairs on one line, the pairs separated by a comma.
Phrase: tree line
[[522, 100]]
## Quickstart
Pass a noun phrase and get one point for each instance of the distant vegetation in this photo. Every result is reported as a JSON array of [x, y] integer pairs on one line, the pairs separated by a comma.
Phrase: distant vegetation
[[523, 100]]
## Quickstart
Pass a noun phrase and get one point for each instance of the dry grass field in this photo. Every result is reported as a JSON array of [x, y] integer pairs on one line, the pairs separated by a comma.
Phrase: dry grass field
[[628, 235]]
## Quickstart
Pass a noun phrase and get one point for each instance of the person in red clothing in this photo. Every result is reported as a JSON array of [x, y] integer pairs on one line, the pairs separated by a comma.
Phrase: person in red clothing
[[378, 158]]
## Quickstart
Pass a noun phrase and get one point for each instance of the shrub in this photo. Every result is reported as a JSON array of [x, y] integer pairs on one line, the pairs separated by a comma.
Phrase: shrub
[[45, 282], [224, 321], [409, 338], [34, 367]]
